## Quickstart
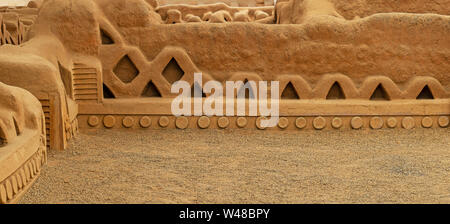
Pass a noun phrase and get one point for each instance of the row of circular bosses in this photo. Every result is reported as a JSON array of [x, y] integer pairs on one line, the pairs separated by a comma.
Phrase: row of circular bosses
[[319, 123]]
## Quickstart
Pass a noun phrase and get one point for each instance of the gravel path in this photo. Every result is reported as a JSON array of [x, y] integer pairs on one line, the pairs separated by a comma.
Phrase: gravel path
[[238, 166]]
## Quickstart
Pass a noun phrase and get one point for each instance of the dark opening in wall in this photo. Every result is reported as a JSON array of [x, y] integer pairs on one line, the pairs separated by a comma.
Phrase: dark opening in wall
[[126, 70], [289, 92], [249, 92], [197, 90], [151, 91], [173, 72], [380, 94], [107, 94], [425, 94], [106, 38], [336, 92]]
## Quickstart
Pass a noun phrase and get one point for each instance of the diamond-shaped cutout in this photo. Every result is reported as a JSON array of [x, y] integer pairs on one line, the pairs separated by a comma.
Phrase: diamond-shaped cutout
[[126, 70], [173, 72]]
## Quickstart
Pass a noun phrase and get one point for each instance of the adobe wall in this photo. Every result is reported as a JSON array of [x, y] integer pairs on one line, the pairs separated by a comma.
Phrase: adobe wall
[[117, 59], [363, 8], [383, 44], [398, 46], [110, 64], [241, 3], [15, 24], [403, 54], [22, 142], [36, 65]]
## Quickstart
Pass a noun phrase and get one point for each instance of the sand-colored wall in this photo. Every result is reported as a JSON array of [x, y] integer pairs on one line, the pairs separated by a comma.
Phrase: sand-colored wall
[[22, 142], [362, 8], [242, 3], [395, 45]]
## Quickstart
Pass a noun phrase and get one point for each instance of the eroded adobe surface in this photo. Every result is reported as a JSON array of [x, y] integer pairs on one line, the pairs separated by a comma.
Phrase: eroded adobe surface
[[22, 142], [340, 64], [15, 24], [235, 3], [111, 64]]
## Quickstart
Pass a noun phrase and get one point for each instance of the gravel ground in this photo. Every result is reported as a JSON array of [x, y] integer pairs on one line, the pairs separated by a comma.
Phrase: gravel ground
[[239, 166]]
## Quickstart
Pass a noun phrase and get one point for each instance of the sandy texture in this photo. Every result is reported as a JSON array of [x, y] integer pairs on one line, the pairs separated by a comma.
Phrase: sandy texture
[[235, 166]]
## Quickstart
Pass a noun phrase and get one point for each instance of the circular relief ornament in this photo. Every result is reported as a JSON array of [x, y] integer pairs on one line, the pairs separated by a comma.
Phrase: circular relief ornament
[[145, 122], [376, 123], [356, 122], [241, 122], [223, 122], [203, 122], [319, 123], [109, 121], [93, 121], [300, 123], [182, 122], [283, 123], [164, 121], [427, 122], [128, 122], [408, 123], [443, 121], [336, 123]]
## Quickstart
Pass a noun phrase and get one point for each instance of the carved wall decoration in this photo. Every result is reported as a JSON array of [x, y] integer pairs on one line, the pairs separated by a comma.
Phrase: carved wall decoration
[[22, 142], [15, 24], [341, 65]]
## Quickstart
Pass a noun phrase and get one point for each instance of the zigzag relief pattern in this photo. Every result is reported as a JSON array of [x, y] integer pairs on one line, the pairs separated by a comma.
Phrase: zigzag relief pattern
[[148, 72], [414, 87], [145, 78], [245, 77]]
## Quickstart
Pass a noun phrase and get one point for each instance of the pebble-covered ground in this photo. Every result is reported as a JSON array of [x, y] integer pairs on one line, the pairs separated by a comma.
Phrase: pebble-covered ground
[[239, 166]]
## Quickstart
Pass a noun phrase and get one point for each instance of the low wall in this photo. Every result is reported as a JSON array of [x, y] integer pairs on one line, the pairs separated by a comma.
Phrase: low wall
[[23, 148]]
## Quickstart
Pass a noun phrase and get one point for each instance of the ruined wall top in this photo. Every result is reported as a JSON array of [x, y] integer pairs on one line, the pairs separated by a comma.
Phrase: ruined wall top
[[233, 3]]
